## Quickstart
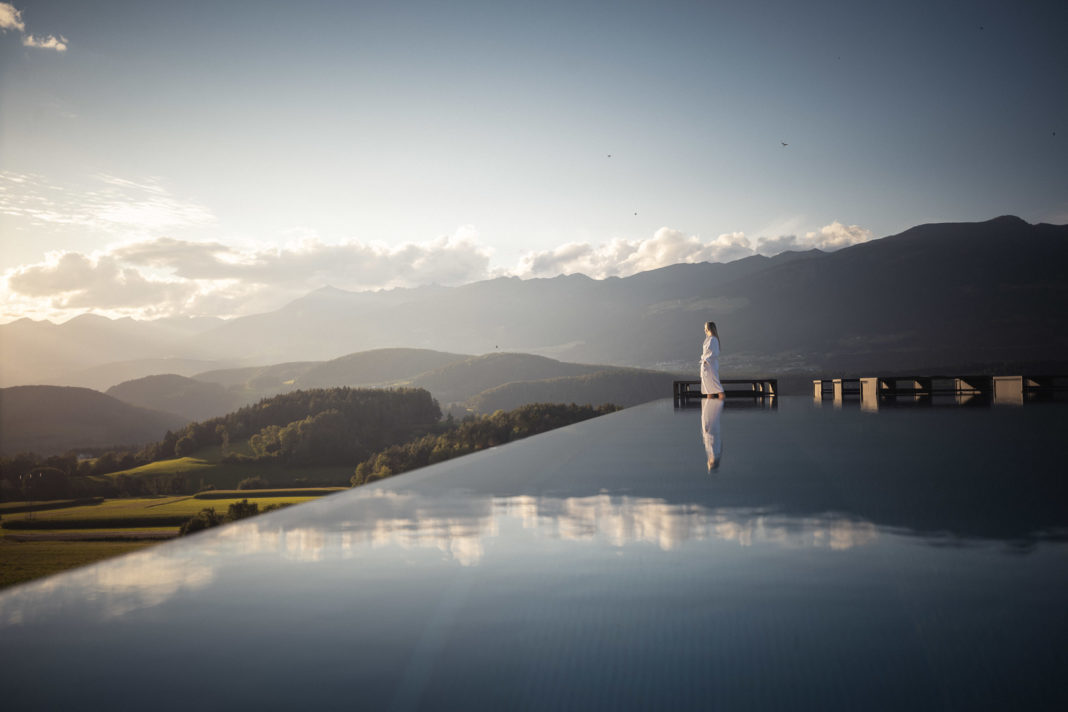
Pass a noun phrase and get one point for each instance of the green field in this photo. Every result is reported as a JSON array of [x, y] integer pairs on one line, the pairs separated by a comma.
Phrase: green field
[[208, 467], [260, 494], [29, 506], [137, 512]]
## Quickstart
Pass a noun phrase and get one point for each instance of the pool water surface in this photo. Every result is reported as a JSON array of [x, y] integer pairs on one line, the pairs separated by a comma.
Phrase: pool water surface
[[801, 556]]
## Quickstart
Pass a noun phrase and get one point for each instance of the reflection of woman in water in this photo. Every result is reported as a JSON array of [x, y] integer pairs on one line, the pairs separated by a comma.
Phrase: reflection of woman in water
[[711, 408], [710, 384]]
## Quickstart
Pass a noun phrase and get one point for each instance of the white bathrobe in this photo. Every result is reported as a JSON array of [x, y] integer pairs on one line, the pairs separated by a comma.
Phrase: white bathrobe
[[710, 366]]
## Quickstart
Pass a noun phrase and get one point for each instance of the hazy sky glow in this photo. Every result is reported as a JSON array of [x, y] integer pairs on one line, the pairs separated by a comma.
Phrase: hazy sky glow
[[162, 158]]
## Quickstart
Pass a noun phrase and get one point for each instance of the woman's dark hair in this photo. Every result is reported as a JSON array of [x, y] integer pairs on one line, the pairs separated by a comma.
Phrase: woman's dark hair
[[710, 326]]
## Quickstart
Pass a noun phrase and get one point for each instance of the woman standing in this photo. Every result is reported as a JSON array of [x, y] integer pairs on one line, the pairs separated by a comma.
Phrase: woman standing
[[710, 384]]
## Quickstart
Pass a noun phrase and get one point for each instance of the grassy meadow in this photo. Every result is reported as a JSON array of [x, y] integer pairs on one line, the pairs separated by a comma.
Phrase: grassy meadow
[[207, 467], [141, 511], [40, 538]]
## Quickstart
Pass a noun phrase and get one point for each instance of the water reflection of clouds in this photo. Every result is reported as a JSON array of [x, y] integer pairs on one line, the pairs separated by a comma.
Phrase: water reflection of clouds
[[622, 521], [459, 526], [117, 587]]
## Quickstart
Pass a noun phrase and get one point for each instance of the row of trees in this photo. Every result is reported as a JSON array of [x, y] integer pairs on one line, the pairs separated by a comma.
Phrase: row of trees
[[84, 463], [208, 517], [474, 433], [44, 483]]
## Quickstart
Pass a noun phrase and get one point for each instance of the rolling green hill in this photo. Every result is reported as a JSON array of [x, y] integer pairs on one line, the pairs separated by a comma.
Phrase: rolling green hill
[[479, 383], [277, 377], [102, 377], [375, 367], [54, 419], [58, 419], [171, 393], [465, 379], [621, 386]]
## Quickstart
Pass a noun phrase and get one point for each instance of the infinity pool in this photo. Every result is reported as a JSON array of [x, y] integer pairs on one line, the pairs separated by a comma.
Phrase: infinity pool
[[797, 557]]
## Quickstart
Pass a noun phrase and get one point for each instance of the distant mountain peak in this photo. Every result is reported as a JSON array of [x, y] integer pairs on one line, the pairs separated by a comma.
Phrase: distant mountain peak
[[330, 289], [1008, 220], [88, 317]]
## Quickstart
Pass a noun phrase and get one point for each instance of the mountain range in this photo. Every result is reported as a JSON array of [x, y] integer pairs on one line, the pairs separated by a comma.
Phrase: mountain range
[[459, 382], [973, 296], [54, 419]]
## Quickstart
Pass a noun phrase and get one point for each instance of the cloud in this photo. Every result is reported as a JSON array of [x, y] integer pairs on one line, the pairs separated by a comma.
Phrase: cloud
[[622, 258], [107, 204], [167, 276], [828, 238], [450, 259], [836, 236], [59, 44], [11, 19], [150, 271], [70, 280]]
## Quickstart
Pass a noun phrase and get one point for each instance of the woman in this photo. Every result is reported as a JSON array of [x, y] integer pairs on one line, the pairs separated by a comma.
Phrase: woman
[[710, 384]]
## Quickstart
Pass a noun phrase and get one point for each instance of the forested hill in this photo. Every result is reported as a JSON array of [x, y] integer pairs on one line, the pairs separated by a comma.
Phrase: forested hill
[[314, 426], [320, 433], [338, 426]]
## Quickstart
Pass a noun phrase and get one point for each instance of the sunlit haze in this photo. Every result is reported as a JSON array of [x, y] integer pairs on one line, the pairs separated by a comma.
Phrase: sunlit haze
[[219, 159]]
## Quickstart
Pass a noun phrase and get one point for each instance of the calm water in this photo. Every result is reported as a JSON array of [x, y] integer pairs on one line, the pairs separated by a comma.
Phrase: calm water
[[829, 558]]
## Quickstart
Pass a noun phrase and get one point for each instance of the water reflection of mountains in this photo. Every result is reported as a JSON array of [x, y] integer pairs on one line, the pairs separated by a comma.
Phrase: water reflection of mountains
[[942, 475]]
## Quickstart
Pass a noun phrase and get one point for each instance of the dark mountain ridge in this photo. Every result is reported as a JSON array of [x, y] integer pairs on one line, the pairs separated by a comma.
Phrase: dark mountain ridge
[[988, 293]]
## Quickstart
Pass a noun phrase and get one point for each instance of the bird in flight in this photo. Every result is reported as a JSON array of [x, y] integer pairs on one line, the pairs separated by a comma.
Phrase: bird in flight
[[784, 143]]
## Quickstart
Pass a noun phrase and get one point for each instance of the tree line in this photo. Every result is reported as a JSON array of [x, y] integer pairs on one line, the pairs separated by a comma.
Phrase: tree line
[[472, 434], [208, 517]]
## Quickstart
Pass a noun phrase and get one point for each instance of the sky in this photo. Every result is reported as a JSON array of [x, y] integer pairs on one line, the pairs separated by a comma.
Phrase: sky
[[222, 158]]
